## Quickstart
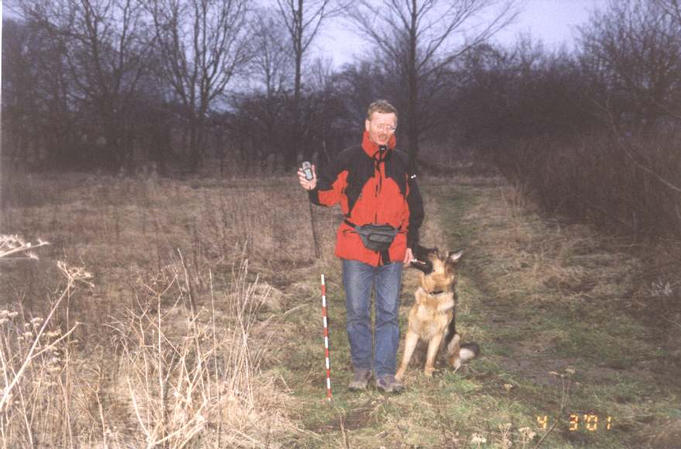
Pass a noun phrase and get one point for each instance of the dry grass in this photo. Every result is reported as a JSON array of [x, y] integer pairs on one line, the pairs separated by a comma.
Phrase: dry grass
[[166, 346], [173, 375], [200, 326], [533, 254], [185, 376], [628, 184]]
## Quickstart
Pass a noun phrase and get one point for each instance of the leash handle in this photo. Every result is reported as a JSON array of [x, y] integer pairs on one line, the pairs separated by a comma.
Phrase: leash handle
[[326, 341]]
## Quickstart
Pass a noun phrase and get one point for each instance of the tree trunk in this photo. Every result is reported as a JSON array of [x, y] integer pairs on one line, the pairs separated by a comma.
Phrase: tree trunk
[[196, 142], [412, 82], [292, 158]]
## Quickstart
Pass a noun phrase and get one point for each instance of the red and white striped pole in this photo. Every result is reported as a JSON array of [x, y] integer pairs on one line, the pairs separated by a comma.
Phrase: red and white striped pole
[[326, 341]]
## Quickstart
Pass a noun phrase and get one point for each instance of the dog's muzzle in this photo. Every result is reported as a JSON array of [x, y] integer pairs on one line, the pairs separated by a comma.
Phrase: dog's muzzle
[[425, 266]]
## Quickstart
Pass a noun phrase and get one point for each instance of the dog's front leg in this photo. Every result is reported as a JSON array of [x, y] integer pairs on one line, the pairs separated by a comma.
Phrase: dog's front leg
[[433, 349], [409, 345]]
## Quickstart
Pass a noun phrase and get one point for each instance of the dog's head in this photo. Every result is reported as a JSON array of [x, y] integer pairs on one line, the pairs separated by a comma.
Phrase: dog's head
[[437, 268]]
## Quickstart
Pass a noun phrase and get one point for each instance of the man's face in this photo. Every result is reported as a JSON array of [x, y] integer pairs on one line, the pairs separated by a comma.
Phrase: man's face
[[381, 126]]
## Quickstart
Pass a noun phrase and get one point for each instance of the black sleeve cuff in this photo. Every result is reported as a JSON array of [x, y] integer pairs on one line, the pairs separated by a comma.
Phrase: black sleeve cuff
[[412, 239]]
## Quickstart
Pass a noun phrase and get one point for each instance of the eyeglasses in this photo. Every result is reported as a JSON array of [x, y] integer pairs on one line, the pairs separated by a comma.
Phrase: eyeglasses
[[385, 128]]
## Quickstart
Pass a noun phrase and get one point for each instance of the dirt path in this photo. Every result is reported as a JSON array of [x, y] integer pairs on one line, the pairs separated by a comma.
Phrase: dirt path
[[551, 302]]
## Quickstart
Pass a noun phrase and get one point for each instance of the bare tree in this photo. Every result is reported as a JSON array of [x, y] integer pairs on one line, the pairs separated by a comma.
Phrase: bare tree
[[421, 38], [672, 7], [104, 46], [303, 19], [272, 60], [202, 44], [361, 81], [270, 69], [325, 112], [24, 88], [633, 50]]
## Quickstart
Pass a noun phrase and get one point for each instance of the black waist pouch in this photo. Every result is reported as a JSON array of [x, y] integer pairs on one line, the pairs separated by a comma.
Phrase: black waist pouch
[[375, 237]]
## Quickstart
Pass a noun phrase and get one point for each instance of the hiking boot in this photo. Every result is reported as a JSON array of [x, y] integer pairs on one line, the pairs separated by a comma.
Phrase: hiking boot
[[360, 380], [389, 384]]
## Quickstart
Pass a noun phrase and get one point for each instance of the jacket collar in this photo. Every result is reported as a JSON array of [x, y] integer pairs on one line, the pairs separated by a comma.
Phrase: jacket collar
[[371, 148]]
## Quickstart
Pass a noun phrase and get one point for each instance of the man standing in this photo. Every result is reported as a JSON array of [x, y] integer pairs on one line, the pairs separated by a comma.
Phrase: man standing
[[383, 212]]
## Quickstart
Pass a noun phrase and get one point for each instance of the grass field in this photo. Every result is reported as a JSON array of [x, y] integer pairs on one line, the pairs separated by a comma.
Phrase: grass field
[[200, 325]]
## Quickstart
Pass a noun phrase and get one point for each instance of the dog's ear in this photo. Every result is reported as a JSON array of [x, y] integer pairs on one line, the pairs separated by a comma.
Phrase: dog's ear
[[454, 256]]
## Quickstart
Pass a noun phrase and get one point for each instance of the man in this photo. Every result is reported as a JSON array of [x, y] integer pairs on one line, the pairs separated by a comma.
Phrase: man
[[373, 186]]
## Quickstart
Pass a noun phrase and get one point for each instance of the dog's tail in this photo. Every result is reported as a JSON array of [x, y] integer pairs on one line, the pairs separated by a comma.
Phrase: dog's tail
[[469, 351], [457, 352]]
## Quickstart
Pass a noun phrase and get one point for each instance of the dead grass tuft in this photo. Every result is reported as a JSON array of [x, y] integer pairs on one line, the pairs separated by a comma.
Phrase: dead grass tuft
[[533, 256], [667, 436]]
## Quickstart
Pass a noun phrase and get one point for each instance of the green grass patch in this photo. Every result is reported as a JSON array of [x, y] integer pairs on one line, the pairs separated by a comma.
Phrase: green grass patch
[[547, 352]]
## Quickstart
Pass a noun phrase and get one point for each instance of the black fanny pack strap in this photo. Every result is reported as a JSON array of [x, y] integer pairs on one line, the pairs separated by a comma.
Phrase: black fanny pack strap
[[352, 225], [385, 257]]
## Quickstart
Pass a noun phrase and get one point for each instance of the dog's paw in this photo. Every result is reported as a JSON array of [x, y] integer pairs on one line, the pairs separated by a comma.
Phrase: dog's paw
[[428, 372]]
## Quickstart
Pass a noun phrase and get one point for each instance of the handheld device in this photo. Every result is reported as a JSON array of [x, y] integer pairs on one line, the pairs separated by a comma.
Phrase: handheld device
[[307, 170]]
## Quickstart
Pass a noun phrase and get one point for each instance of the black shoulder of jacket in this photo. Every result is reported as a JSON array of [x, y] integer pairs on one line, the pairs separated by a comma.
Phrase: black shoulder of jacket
[[403, 160], [349, 154], [340, 162]]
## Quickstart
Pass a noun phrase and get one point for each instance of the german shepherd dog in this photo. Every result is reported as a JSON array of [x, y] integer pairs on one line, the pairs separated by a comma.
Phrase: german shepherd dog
[[431, 318]]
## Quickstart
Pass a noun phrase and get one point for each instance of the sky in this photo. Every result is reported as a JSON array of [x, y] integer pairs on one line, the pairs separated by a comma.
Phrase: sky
[[553, 22]]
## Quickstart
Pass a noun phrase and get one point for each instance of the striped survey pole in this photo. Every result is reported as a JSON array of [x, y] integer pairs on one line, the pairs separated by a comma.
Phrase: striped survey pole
[[326, 341]]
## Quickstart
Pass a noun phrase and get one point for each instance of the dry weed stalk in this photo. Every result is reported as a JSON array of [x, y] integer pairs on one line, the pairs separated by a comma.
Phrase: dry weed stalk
[[13, 244], [34, 361], [526, 436], [506, 433], [566, 383], [182, 372]]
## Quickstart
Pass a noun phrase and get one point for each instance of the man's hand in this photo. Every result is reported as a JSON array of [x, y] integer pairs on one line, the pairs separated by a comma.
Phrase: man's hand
[[408, 257], [304, 183]]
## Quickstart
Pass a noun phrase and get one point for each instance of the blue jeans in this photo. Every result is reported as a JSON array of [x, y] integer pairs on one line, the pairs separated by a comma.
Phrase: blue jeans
[[358, 280]]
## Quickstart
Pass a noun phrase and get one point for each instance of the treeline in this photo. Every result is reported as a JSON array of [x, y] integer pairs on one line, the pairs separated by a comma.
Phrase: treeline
[[117, 83], [111, 84], [593, 132]]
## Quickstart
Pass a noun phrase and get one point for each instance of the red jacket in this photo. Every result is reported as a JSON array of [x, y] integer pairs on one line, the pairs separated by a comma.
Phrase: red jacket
[[372, 185]]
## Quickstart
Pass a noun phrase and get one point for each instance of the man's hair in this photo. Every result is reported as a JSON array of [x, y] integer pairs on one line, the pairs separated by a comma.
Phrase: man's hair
[[381, 106]]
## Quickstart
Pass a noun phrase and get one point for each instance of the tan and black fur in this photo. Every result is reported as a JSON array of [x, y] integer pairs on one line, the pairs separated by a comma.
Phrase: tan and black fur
[[432, 317]]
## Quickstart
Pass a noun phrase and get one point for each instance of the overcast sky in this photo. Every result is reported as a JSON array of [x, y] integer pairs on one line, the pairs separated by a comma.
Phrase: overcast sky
[[551, 21]]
